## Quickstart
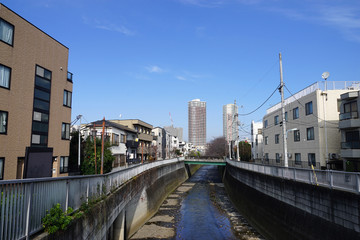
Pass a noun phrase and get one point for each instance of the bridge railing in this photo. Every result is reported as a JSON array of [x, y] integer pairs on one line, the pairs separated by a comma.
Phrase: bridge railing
[[23, 203], [345, 181]]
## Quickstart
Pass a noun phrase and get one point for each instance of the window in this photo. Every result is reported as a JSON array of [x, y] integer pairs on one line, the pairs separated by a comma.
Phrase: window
[[296, 113], [2, 163], [277, 157], [266, 157], [3, 122], [350, 107], [64, 164], [276, 120], [352, 136], [265, 123], [37, 139], [6, 32], [67, 98], [115, 139], [266, 140], [296, 135], [5, 74], [311, 159], [310, 133], [276, 138], [123, 138], [298, 158], [65, 131], [308, 108], [286, 117]]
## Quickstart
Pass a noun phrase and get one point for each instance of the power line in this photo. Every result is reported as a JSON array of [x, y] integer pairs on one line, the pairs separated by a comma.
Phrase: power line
[[245, 114]]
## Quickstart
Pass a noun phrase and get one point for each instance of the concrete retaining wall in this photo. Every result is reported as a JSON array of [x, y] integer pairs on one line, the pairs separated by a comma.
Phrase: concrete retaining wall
[[284, 209], [124, 211]]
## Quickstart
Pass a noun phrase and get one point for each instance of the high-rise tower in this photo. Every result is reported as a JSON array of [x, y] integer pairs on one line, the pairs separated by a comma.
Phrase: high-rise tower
[[230, 123], [197, 122]]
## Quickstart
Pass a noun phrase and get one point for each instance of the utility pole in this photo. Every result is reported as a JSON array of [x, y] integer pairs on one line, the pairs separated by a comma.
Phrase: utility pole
[[79, 117], [94, 132], [102, 147], [286, 164]]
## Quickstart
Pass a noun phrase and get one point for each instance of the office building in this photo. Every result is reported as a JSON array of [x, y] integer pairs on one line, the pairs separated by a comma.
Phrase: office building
[[197, 122], [35, 101], [230, 122]]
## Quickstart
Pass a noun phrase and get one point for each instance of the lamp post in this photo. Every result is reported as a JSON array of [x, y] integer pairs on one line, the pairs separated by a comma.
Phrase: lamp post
[[325, 76]]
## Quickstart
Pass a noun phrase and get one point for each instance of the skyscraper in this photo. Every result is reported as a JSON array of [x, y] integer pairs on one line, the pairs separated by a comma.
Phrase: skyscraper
[[197, 122], [230, 123]]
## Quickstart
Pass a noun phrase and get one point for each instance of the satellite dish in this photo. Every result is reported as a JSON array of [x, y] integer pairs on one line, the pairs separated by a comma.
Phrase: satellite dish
[[325, 75]]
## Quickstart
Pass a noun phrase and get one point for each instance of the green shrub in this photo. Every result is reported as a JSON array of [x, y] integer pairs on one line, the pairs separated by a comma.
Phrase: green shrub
[[57, 219]]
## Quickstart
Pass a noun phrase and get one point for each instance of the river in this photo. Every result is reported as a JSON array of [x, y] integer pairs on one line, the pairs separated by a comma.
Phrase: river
[[198, 209]]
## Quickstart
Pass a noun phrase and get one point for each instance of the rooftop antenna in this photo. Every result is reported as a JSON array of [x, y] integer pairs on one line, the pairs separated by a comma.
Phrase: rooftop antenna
[[172, 122]]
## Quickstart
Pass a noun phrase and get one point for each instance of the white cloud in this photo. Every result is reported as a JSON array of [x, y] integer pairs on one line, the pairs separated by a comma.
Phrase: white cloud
[[203, 3], [181, 78], [105, 25], [154, 69]]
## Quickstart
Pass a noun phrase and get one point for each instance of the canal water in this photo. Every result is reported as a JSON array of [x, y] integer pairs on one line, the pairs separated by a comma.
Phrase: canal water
[[198, 209]]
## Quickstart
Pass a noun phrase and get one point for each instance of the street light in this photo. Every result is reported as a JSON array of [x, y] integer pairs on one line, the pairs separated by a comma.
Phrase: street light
[[325, 76]]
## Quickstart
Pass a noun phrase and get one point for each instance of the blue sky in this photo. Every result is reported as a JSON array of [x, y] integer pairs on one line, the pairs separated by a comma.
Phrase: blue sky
[[145, 58]]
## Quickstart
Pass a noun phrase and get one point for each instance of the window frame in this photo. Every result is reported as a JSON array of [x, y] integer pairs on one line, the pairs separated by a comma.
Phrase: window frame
[[312, 160], [265, 123], [63, 168], [266, 140], [13, 33], [295, 113], [309, 130], [297, 162], [66, 98], [277, 158], [351, 104], [276, 120], [9, 83], [2, 159], [296, 135], [7, 122], [64, 133], [277, 138], [309, 108]]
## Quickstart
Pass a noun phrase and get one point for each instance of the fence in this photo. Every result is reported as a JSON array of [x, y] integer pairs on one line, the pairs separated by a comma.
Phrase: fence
[[291, 163], [24, 202], [345, 181]]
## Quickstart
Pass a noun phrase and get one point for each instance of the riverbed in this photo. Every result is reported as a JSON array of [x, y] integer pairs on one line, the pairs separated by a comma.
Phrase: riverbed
[[198, 209]]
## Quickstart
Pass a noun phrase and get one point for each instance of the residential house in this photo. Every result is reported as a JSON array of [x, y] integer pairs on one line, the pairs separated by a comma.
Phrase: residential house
[[256, 140]]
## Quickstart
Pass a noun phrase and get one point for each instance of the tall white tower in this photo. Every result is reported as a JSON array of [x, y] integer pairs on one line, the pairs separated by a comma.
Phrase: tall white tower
[[230, 122]]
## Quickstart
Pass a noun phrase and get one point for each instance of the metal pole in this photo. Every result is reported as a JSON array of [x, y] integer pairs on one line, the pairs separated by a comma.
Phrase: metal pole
[[326, 144], [102, 148], [286, 164], [95, 149], [79, 143]]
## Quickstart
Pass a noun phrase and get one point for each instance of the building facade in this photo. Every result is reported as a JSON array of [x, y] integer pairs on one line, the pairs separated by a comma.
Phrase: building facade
[[230, 122], [349, 125], [175, 131], [197, 122], [256, 140], [35, 101], [159, 142], [312, 135]]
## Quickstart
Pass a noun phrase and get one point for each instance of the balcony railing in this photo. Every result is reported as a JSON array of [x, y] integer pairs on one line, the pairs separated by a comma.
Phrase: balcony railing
[[349, 115], [69, 76], [350, 145]]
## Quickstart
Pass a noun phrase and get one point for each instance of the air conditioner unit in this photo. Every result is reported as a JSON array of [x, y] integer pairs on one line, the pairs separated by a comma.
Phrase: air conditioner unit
[[333, 156], [289, 155]]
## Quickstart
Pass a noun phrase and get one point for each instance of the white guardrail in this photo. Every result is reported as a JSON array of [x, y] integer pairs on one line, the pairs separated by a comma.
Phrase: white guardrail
[[345, 181], [24, 202]]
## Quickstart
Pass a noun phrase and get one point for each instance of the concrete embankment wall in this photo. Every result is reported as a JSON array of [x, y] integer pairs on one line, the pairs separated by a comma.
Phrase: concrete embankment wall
[[123, 212], [285, 209]]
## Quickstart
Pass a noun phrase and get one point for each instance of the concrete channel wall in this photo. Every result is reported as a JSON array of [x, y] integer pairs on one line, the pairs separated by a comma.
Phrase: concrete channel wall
[[285, 209], [123, 212]]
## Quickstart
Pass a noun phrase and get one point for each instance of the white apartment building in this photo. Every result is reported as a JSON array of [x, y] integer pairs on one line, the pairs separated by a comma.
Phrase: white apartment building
[[256, 140], [349, 125], [230, 122], [159, 135], [197, 122], [312, 119]]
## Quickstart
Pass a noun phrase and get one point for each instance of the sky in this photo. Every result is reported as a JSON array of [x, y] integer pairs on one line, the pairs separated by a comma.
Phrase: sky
[[144, 59]]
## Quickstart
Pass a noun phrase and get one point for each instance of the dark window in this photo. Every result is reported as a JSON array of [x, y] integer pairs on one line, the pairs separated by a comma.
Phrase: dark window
[[43, 83], [42, 72], [115, 139], [296, 135], [350, 107], [42, 95], [277, 138], [311, 159], [265, 124], [296, 113], [65, 131], [40, 127], [266, 140], [352, 136], [277, 157], [276, 120], [41, 117], [37, 139], [286, 116], [6, 32], [298, 158], [266, 157], [5, 75], [69, 76], [310, 133], [67, 98], [2, 164], [41, 105], [308, 108], [3, 122], [64, 164]]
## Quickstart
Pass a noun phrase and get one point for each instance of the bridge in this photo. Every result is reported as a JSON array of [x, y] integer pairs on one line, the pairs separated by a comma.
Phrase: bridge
[[205, 161], [278, 201]]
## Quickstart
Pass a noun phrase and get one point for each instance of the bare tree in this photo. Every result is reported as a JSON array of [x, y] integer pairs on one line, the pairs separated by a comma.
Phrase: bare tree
[[218, 147]]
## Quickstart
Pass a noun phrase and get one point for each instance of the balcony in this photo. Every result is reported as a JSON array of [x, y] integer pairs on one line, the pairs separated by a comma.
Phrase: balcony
[[69, 76], [349, 115], [350, 145], [349, 120], [132, 144]]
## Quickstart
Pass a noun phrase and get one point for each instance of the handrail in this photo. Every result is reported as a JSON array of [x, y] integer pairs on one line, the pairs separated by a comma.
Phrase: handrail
[[24, 202]]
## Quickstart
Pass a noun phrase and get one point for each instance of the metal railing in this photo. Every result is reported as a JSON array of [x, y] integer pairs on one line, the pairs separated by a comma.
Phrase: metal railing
[[291, 163], [345, 181], [348, 115], [350, 145], [24, 202]]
